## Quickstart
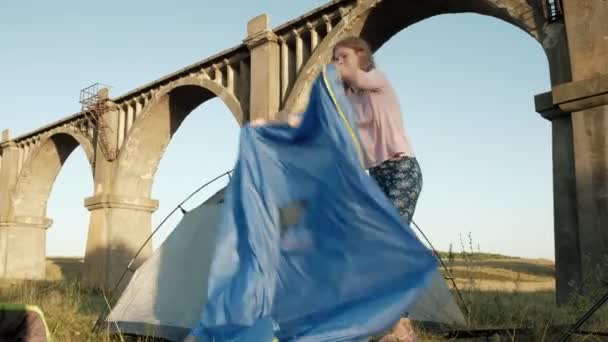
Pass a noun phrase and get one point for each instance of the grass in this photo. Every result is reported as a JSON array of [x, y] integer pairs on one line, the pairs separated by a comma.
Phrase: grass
[[511, 293], [523, 297], [70, 310]]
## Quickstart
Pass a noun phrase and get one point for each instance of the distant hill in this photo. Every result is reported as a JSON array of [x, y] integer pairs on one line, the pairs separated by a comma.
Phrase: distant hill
[[483, 271], [475, 255]]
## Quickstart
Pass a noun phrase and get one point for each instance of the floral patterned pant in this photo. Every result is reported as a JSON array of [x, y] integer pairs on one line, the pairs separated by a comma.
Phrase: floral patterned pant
[[401, 181]]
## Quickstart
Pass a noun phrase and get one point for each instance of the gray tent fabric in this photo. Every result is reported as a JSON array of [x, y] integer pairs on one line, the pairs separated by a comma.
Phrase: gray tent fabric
[[166, 295], [437, 305]]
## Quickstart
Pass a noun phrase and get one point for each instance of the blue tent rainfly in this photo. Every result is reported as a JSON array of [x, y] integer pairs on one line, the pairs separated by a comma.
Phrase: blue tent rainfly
[[345, 269]]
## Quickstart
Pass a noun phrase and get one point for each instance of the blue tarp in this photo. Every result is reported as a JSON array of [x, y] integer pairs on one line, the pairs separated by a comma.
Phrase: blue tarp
[[344, 271]]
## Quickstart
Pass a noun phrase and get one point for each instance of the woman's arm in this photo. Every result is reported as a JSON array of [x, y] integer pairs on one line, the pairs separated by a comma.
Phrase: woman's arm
[[364, 80], [293, 119]]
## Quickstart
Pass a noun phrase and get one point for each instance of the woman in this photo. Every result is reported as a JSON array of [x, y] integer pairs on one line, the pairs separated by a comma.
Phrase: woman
[[388, 153]]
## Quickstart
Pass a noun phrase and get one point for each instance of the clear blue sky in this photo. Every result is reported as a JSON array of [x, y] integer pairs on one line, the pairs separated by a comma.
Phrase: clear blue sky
[[466, 83]]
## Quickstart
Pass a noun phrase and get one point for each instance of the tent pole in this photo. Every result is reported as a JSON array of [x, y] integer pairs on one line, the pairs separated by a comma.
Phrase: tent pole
[[466, 308], [128, 268]]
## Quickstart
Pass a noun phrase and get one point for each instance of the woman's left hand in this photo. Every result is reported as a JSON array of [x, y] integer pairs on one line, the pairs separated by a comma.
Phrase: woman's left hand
[[346, 73]]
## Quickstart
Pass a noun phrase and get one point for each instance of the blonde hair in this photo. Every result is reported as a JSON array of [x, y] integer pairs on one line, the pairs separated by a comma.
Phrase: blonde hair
[[362, 48]]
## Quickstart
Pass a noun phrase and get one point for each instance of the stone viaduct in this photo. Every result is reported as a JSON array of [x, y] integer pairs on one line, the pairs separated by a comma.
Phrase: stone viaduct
[[124, 137]]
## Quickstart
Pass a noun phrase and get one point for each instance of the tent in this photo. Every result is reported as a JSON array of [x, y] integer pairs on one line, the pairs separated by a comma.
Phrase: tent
[[167, 293]]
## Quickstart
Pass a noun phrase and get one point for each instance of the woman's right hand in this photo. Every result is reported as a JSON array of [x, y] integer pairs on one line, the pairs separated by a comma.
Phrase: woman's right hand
[[258, 122], [294, 120], [291, 119]]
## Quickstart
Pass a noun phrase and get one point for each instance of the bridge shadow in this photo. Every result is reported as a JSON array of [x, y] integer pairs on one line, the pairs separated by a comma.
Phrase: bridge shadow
[[64, 268]]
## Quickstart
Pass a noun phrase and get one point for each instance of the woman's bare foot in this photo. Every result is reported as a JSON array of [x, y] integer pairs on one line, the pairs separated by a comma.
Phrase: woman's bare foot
[[401, 332]]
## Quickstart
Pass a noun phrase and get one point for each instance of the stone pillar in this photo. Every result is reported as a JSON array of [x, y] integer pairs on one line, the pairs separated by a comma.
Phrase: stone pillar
[[565, 207], [588, 102], [23, 247], [587, 98], [119, 226], [265, 69], [587, 30], [8, 172], [22, 239], [578, 109]]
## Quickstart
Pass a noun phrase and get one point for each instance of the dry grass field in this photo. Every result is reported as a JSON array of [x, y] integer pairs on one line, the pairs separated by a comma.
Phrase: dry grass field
[[500, 293]]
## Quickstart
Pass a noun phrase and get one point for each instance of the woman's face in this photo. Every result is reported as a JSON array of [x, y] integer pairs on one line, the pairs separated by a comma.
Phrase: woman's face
[[346, 57]]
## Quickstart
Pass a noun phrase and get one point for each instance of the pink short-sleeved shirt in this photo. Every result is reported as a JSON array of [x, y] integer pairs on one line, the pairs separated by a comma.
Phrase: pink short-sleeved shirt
[[379, 118]]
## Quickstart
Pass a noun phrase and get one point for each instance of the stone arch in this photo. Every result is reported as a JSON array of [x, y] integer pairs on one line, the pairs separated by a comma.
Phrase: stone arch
[[379, 20], [39, 172], [83, 141], [144, 147], [215, 88]]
